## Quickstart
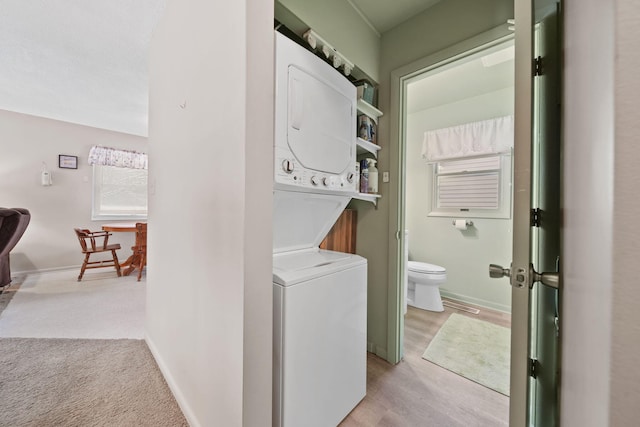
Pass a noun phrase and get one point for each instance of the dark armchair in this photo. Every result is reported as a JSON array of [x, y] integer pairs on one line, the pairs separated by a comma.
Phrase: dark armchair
[[13, 223]]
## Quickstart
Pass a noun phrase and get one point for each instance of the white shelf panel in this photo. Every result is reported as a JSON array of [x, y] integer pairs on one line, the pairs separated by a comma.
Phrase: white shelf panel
[[368, 197], [363, 147], [365, 108]]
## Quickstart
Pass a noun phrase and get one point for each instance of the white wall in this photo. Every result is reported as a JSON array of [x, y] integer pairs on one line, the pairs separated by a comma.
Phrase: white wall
[[258, 246], [27, 141], [209, 315], [465, 254], [589, 140], [625, 373], [601, 335]]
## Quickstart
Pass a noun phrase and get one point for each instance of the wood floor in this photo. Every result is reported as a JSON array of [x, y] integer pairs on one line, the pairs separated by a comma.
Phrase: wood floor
[[416, 392]]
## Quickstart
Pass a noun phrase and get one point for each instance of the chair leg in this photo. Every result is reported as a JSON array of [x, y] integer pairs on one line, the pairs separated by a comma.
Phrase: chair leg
[[115, 261], [143, 262], [84, 266]]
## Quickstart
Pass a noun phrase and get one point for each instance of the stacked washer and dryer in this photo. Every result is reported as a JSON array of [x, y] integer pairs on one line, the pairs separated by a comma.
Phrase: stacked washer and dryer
[[319, 296]]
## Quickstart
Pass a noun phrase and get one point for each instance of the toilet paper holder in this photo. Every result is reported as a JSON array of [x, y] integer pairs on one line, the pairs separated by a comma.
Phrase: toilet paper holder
[[468, 223]]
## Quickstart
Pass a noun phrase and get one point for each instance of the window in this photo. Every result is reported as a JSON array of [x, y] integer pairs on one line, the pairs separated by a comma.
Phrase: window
[[476, 187], [119, 193]]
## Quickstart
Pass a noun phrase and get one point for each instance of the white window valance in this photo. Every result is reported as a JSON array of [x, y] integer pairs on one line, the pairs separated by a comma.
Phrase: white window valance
[[107, 156], [491, 136]]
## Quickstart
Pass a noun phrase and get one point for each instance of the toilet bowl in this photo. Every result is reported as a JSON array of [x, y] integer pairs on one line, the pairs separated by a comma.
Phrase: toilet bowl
[[423, 285], [422, 282]]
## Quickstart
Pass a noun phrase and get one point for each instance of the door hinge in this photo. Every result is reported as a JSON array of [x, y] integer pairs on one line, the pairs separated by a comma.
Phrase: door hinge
[[535, 217], [533, 368], [537, 66]]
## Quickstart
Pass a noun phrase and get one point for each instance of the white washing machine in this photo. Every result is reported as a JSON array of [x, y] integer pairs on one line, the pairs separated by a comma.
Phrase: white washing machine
[[321, 331], [320, 315], [320, 297], [320, 319]]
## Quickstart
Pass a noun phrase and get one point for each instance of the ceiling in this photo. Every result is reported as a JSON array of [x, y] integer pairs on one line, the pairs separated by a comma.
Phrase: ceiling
[[479, 74], [81, 61], [85, 61], [384, 15]]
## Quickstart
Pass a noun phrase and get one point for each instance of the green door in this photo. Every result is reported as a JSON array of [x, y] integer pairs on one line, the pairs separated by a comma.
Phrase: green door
[[535, 334]]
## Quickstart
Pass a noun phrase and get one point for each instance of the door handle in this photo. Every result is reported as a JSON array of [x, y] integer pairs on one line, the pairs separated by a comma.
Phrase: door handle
[[296, 108], [496, 271], [548, 279]]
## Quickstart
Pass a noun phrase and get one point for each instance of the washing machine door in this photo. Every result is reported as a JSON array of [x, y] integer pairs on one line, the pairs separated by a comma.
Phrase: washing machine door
[[301, 220]]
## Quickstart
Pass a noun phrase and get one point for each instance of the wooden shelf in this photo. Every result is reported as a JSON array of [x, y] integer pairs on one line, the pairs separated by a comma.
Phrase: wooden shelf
[[365, 108], [363, 147]]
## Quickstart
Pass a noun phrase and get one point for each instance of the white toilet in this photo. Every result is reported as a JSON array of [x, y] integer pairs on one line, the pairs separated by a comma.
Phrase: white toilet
[[423, 282]]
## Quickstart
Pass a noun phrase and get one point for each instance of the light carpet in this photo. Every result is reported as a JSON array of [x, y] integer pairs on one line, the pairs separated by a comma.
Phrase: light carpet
[[73, 383], [56, 305], [474, 349]]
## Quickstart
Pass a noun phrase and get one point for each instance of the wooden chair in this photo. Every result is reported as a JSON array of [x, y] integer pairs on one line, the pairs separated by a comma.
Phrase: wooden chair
[[140, 248], [90, 243]]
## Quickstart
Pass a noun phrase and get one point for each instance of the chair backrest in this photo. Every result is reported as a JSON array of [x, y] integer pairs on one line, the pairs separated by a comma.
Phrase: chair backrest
[[88, 239], [83, 237], [141, 235]]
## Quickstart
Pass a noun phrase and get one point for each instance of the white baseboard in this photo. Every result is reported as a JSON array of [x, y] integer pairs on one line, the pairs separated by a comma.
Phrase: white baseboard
[[173, 386], [46, 270], [476, 301]]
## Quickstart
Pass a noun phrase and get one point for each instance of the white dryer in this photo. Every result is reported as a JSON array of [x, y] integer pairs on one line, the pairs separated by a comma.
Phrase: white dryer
[[315, 123], [319, 297]]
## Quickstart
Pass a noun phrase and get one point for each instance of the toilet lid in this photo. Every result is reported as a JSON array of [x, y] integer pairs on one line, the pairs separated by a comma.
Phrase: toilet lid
[[423, 267]]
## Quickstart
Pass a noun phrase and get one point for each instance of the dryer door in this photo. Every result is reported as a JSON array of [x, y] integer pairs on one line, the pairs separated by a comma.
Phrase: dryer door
[[320, 124]]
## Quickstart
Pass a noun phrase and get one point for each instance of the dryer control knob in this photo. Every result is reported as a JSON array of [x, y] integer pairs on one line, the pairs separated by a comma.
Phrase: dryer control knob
[[314, 180], [350, 177], [325, 181], [287, 166]]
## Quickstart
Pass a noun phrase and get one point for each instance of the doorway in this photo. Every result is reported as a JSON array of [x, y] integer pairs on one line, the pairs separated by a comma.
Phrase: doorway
[[462, 97]]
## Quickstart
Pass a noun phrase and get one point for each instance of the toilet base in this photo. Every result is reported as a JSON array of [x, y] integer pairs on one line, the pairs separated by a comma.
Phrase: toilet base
[[426, 297]]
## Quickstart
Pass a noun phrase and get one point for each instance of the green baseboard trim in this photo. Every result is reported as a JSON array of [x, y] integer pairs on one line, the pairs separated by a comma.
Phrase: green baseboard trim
[[378, 351]]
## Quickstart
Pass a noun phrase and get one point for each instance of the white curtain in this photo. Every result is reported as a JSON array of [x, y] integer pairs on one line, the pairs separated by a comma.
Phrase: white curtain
[[491, 136], [107, 156]]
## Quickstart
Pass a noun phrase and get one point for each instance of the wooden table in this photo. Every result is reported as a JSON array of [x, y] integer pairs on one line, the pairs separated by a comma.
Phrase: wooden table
[[124, 227]]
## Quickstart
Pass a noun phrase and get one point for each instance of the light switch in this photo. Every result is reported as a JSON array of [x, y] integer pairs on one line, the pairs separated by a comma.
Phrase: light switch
[[385, 176]]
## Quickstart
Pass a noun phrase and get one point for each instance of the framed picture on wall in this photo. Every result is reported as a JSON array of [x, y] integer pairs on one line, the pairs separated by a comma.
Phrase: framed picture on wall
[[67, 162]]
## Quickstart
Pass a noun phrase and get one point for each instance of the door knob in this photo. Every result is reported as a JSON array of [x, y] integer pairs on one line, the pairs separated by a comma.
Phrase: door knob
[[496, 271], [548, 279], [521, 277]]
